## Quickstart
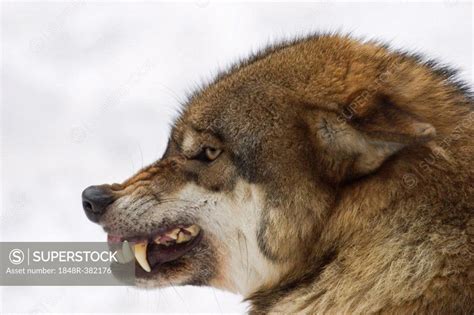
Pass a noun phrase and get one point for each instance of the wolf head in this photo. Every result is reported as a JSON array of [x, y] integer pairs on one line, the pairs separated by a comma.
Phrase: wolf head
[[256, 161]]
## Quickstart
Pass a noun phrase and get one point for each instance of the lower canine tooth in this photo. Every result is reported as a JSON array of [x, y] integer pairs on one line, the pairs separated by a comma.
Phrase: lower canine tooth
[[120, 258], [127, 252], [140, 255]]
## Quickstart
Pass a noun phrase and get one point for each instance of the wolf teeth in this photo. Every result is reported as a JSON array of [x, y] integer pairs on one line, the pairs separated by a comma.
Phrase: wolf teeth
[[127, 252], [182, 237], [174, 233], [193, 229], [140, 249], [119, 256], [140, 255]]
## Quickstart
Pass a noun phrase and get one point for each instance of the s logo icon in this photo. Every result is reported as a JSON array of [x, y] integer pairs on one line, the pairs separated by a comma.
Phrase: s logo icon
[[16, 256]]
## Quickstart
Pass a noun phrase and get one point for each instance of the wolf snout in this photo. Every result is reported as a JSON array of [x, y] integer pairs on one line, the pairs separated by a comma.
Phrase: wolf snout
[[95, 200]]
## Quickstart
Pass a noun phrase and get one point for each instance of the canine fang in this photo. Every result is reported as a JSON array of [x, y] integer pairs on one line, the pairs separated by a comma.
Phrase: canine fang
[[140, 255]]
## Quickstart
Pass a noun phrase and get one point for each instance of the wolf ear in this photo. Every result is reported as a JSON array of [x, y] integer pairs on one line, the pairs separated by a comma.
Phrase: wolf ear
[[363, 133]]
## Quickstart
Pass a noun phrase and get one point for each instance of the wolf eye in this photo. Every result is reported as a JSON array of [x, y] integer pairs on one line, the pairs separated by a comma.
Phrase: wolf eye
[[207, 154]]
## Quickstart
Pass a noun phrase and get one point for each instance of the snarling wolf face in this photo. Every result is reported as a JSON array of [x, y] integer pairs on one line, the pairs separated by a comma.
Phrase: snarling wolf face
[[255, 161], [216, 209]]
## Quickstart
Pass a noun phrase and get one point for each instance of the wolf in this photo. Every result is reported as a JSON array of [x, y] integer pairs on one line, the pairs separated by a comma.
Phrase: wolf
[[322, 175]]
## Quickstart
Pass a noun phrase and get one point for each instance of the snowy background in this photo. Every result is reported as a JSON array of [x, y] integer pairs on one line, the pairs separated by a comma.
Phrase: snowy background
[[89, 89]]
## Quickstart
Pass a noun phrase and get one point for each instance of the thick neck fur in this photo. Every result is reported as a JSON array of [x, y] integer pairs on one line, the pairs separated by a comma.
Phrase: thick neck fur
[[395, 237]]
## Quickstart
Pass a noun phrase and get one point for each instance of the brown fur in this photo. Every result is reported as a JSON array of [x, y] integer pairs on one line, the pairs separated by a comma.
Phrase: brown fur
[[364, 157]]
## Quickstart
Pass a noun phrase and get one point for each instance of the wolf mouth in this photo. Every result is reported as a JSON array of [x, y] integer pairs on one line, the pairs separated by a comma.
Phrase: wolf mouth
[[158, 248]]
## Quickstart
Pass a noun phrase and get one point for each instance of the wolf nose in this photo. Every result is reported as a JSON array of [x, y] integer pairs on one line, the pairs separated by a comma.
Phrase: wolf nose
[[95, 200]]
